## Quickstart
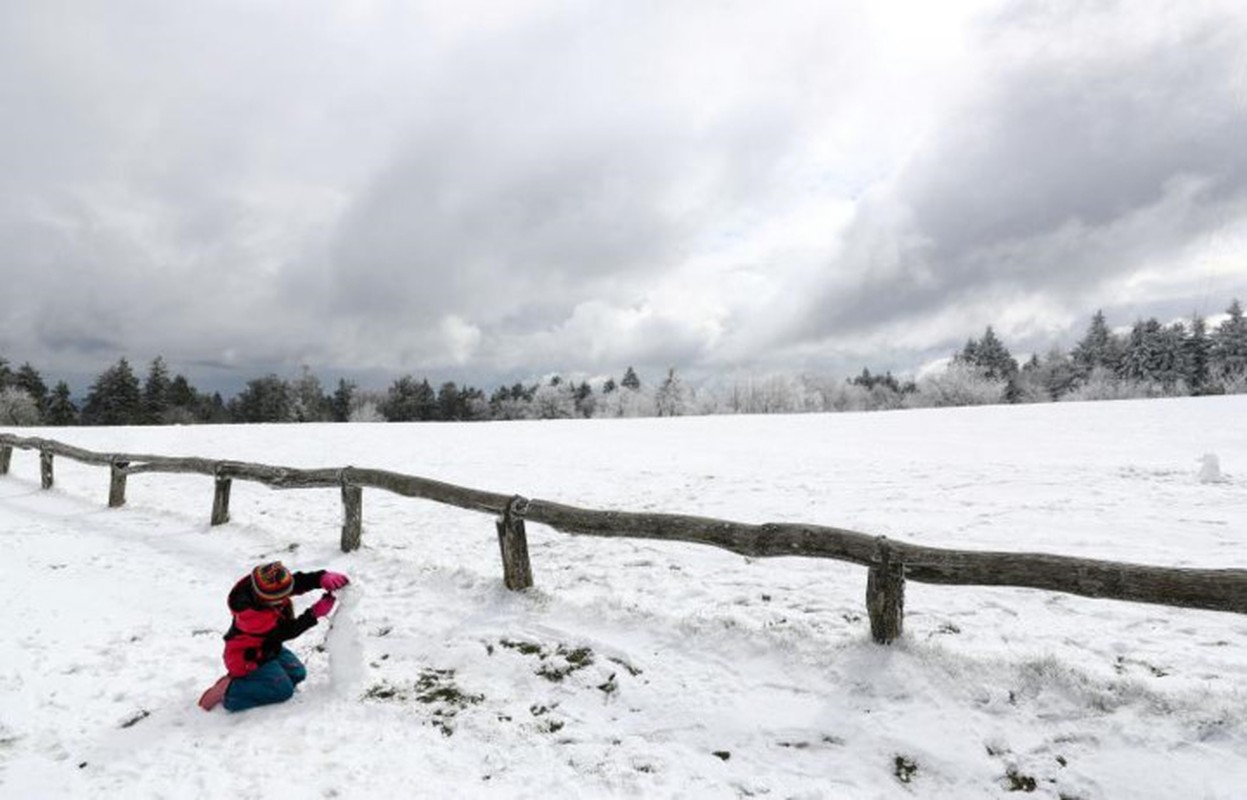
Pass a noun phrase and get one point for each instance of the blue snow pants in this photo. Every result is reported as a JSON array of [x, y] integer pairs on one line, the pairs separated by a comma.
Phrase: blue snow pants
[[272, 682]]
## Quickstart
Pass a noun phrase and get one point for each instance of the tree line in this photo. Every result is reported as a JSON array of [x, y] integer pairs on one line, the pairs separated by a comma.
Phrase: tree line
[[1151, 360]]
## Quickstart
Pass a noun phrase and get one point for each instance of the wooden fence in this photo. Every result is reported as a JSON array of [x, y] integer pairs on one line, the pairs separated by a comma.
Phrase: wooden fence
[[889, 562]]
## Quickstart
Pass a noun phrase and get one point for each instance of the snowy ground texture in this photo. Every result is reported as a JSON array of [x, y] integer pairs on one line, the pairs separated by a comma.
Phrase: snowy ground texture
[[639, 668]]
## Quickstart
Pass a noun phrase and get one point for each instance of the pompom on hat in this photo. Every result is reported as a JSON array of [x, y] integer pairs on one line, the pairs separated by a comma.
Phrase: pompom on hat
[[272, 583]]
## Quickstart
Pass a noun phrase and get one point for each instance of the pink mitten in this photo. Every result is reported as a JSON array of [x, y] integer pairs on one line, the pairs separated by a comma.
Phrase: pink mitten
[[333, 581], [324, 605]]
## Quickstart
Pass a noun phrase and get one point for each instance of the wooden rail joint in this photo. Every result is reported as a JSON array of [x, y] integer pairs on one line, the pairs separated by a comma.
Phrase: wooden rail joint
[[517, 572], [885, 593]]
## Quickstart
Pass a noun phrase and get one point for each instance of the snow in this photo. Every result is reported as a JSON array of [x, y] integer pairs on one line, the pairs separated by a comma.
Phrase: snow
[[344, 642], [639, 668]]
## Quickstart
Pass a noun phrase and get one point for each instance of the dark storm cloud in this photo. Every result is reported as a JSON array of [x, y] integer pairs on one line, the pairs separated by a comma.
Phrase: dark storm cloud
[[538, 186], [505, 200], [1064, 172]]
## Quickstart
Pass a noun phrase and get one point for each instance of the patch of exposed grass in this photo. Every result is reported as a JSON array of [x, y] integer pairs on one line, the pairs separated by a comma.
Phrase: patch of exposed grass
[[904, 768], [1017, 782], [435, 688], [557, 665]]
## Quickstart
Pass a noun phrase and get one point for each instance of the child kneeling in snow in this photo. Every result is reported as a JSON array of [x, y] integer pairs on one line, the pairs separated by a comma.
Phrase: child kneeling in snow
[[261, 669]]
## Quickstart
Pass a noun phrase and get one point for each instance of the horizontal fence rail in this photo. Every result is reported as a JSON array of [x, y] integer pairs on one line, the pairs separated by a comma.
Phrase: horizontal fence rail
[[890, 563]]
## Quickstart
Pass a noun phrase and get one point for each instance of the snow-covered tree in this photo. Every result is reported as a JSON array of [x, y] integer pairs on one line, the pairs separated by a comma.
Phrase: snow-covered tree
[[17, 407], [989, 356], [586, 402], [513, 402], [1104, 385], [960, 384], [1043, 380], [554, 400], [1098, 348], [366, 411], [1198, 355], [1230, 343], [28, 379], [308, 400], [624, 402], [671, 399]]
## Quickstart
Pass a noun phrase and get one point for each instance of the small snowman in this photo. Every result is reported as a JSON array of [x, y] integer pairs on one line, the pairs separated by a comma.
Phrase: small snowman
[[1210, 469]]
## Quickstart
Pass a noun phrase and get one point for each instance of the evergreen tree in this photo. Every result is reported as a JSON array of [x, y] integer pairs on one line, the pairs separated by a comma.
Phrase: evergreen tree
[[994, 357], [472, 404], [61, 409], [156, 392], [181, 394], [1047, 379], [1098, 348], [115, 398], [879, 385], [1172, 367], [267, 399], [211, 409], [1198, 355], [449, 403], [586, 404], [630, 380], [1136, 364], [1230, 344], [181, 403], [609, 386], [989, 356], [6, 374], [340, 403], [991, 359], [31, 382], [408, 401], [509, 402], [968, 355]]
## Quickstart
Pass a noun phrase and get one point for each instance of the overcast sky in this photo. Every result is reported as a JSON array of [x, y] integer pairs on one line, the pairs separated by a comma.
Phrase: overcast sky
[[486, 191]]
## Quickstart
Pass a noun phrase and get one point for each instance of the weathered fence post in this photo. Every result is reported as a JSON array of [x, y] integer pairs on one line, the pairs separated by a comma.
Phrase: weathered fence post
[[517, 573], [220, 499], [45, 468], [885, 594], [352, 514], [6, 455], [117, 482]]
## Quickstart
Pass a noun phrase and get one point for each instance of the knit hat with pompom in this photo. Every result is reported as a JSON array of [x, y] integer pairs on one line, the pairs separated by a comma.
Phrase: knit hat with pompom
[[272, 583]]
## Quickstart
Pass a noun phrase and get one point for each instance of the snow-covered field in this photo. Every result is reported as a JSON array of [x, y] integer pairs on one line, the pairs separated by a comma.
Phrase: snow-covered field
[[639, 668]]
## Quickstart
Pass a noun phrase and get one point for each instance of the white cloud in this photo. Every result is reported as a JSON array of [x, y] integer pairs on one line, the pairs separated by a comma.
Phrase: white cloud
[[543, 186]]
